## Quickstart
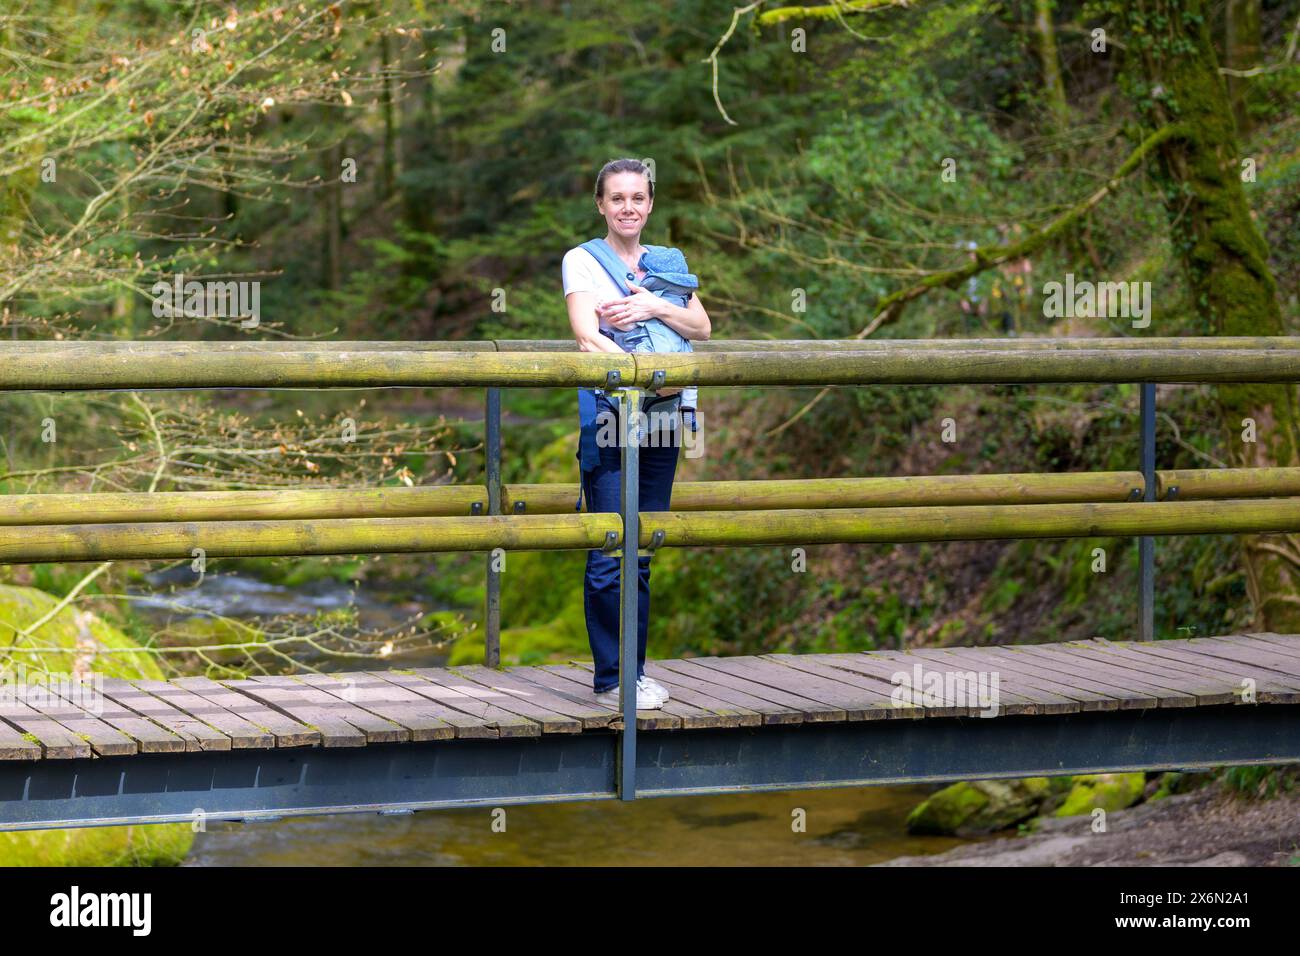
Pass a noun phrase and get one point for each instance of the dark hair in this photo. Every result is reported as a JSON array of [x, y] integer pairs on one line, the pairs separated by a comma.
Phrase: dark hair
[[623, 166]]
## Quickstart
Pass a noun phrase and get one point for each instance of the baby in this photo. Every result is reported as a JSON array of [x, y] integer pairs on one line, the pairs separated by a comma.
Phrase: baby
[[665, 276]]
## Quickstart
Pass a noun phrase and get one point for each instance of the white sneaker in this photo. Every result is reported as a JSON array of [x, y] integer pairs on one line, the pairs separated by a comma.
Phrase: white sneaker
[[658, 688], [645, 698]]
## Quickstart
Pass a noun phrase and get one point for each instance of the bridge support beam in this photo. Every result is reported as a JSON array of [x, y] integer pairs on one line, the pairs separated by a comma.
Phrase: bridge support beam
[[253, 784]]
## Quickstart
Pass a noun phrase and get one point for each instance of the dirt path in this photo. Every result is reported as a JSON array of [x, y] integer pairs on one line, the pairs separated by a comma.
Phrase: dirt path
[[1210, 827]]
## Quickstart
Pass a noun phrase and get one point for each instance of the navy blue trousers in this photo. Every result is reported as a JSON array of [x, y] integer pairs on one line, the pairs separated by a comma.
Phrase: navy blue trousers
[[600, 486]]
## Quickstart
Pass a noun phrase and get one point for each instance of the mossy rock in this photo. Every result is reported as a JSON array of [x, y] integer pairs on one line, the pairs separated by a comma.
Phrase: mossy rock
[[980, 806], [212, 632], [1106, 791], [21, 607], [556, 641], [159, 845]]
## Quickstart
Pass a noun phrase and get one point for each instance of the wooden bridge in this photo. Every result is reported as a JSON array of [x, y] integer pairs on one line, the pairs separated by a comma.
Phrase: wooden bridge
[[398, 740]]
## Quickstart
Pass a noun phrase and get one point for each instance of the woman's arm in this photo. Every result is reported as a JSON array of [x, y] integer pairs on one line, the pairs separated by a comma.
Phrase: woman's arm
[[690, 320], [586, 326]]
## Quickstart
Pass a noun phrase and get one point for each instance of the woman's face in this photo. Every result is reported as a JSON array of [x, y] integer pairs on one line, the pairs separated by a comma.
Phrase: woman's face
[[626, 204]]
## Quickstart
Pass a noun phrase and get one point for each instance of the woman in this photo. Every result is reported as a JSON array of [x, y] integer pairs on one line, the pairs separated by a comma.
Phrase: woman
[[601, 312]]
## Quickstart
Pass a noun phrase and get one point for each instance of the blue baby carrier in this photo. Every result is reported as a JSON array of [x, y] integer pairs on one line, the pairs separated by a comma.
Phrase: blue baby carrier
[[666, 276]]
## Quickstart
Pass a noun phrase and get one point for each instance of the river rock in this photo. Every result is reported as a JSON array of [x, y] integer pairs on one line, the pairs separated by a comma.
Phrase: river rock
[[1106, 791], [980, 806]]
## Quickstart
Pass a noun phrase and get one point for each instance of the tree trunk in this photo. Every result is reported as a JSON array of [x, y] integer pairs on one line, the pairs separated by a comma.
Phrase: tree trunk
[[1241, 52], [332, 277], [388, 172], [1053, 86], [1176, 79]]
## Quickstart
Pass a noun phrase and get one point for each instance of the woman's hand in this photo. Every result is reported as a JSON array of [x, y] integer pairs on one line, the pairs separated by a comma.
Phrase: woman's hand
[[626, 312]]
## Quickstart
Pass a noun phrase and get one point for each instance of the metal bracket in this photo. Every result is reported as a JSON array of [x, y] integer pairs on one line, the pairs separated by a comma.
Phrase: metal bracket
[[1169, 495], [476, 508], [656, 542], [1135, 494], [613, 378], [657, 378], [520, 505], [611, 542]]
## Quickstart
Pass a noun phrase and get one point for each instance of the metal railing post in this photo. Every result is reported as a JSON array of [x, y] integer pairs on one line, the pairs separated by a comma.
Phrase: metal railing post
[[629, 584], [1146, 544], [492, 594]]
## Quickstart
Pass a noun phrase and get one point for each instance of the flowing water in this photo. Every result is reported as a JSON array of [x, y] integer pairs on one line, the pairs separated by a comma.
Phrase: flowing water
[[840, 826], [844, 827]]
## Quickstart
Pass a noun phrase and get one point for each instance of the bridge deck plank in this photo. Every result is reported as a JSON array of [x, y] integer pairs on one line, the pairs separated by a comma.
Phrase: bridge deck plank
[[387, 701], [287, 731], [1072, 683], [587, 712], [882, 666], [1277, 642], [525, 710], [243, 734], [1033, 682], [104, 739], [881, 695], [733, 714], [426, 704], [456, 692], [1237, 662], [1270, 688], [149, 737], [196, 734], [54, 740], [14, 746], [819, 699], [1205, 692], [315, 708], [645, 719], [691, 715], [1107, 673], [1013, 698], [680, 674]]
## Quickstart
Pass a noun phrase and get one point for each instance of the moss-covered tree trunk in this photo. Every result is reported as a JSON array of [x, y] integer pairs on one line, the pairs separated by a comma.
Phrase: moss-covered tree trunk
[[1241, 45], [1049, 59], [1174, 77]]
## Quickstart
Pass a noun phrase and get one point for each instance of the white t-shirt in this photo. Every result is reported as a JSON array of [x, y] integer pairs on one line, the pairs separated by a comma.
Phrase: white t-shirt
[[582, 272]]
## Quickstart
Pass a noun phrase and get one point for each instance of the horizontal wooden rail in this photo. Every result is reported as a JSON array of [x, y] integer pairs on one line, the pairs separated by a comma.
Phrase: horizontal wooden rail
[[177, 539], [217, 539], [108, 346], [454, 500], [72, 370], [971, 523]]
